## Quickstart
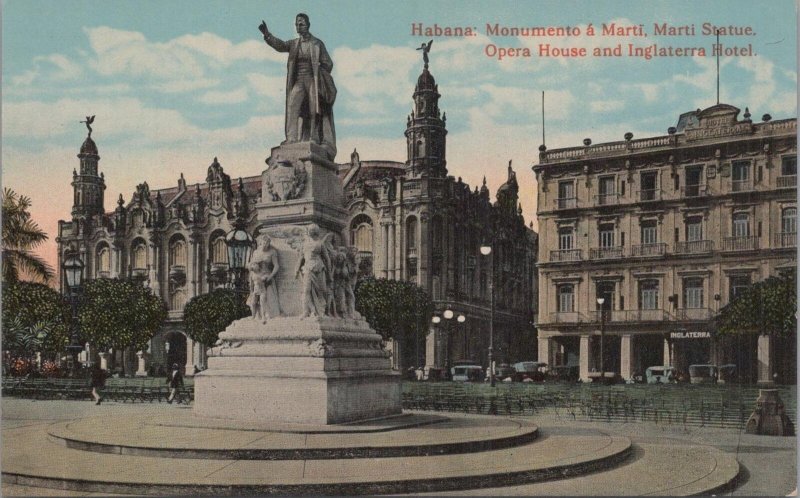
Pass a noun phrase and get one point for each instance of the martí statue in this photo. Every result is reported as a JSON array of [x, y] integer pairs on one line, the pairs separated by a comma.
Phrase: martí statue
[[310, 91]]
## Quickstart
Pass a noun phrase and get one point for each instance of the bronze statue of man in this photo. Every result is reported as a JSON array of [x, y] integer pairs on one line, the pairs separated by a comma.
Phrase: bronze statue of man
[[310, 91]]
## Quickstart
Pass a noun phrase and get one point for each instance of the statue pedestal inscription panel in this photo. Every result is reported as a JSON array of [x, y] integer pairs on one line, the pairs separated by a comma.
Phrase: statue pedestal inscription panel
[[315, 370]]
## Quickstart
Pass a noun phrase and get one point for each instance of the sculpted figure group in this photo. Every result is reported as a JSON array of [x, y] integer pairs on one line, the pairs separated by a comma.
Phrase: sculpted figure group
[[329, 277]]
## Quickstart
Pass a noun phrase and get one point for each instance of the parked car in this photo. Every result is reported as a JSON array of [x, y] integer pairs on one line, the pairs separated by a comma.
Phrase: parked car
[[565, 373], [702, 374], [660, 375], [533, 370], [727, 374], [467, 373]]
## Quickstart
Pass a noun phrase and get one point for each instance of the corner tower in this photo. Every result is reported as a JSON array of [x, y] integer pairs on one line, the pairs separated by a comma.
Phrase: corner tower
[[425, 128], [88, 187]]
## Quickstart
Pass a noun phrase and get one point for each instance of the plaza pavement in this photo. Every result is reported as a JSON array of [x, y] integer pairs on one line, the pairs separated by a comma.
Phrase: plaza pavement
[[768, 464]]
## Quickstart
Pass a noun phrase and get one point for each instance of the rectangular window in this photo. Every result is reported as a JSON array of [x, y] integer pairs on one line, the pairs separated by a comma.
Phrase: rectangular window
[[741, 171], [693, 293], [738, 284], [789, 220], [607, 235], [694, 229], [607, 185], [694, 180], [566, 190], [648, 183], [789, 166], [741, 225], [648, 295], [566, 298], [649, 232], [565, 238]]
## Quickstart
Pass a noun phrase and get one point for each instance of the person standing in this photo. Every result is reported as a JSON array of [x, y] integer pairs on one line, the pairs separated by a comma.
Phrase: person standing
[[175, 381], [98, 381]]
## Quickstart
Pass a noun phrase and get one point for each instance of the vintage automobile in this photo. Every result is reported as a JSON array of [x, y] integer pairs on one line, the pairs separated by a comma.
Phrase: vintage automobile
[[564, 373], [467, 373], [532, 370], [702, 374], [727, 374], [660, 375]]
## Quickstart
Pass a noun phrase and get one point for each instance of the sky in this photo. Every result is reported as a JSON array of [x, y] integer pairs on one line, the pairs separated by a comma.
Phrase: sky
[[174, 84]]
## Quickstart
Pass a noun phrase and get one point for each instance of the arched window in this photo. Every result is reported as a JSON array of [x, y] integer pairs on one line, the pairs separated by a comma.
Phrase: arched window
[[177, 252], [411, 247], [219, 251], [103, 261], [361, 233], [139, 255], [178, 299]]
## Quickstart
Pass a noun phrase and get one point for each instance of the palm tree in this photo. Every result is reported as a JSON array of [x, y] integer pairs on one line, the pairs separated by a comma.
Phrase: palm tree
[[20, 236]]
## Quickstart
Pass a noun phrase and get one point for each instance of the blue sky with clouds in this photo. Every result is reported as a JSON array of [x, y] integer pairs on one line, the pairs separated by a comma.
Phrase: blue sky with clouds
[[175, 83]]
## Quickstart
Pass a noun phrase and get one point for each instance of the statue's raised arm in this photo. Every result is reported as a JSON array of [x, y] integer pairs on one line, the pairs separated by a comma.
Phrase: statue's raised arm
[[310, 91]]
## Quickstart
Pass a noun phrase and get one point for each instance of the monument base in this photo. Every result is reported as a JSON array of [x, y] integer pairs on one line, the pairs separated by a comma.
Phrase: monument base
[[298, 370]]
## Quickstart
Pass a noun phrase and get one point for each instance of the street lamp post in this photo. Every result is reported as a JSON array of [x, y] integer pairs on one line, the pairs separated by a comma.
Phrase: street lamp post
[[436, 320], [73, 276], [601, 301], [448, 315], [461, 319], [487, 251], [240, 245]]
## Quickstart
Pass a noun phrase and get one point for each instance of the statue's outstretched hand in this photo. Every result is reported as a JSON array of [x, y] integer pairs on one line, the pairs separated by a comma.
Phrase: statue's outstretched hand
[[263, 28]]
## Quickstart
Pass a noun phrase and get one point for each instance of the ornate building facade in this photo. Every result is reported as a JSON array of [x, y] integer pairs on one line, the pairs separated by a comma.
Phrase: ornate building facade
[[666, 230], [409, 220]]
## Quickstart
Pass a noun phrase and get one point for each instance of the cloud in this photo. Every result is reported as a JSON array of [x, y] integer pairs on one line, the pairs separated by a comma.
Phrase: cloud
[[374, 72], [230, 97], [49, 68], [606, 105]]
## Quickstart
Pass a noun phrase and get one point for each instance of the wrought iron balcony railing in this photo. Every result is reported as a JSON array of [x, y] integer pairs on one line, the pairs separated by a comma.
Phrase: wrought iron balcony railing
[[694, 314], [566, 203], [643, 250], [788, 181], [741, 185], [649, 195], [740, 243], [694, 246], [690, 191], [606, 199], [784, 239], [606, 252], [566, 255]]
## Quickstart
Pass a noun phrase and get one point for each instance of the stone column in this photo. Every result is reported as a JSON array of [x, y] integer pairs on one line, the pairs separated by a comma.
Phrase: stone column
[[424, 249], [765, 347], [626, 356], [390, 264], [115, 263], [386, 249], [190, 358], [399, 240], [141, 371], [192, 268], [584, 358], [104, 360], [430, 348], [544, 350], [667, 353], [154, 268]]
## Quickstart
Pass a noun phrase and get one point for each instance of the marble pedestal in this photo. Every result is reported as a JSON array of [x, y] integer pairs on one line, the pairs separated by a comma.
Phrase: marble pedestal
[[298, 370]]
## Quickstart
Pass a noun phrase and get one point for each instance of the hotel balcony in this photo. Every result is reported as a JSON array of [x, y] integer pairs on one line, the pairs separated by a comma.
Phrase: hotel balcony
[[742, 185], [694, 247], [606, 199], [740, 243], [566, 203], [649, 195], [789, 181], [784, 240], [611, 316], [606, 253], [648, 250], [692, 191], [647, 315], [694, 314], [567, 317], [566, 255]]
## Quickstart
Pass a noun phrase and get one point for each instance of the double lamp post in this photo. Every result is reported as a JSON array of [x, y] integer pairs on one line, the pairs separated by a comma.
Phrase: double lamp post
[[73, 276]]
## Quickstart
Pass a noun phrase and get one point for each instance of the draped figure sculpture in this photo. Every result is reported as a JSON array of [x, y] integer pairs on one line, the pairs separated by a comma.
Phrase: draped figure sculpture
[[263, 268], [310, 91], [315, 267]]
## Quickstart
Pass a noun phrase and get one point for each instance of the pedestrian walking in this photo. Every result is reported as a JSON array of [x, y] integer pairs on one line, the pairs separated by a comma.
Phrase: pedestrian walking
[[98, 381], [175, 381]]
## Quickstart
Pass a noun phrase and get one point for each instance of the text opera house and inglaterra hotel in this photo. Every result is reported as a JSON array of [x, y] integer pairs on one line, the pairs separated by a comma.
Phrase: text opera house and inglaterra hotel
[[666, 230], [409, 221]]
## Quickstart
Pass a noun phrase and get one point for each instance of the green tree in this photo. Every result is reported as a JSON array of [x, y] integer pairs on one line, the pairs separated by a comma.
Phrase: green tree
[[35, 318], [209, 314], [118, 314], [396, 309], [20, 236], [767, 307]]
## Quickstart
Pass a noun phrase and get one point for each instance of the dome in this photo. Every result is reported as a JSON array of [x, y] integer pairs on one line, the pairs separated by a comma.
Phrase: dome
[[89, 146], [426, 81]]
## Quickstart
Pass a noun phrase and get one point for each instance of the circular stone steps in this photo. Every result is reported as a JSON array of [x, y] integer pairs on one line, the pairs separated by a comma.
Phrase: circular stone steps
[[40, 456]]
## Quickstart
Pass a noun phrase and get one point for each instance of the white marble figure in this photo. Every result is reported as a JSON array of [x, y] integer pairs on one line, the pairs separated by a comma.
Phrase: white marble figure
[[315, 266], [263, 268]]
